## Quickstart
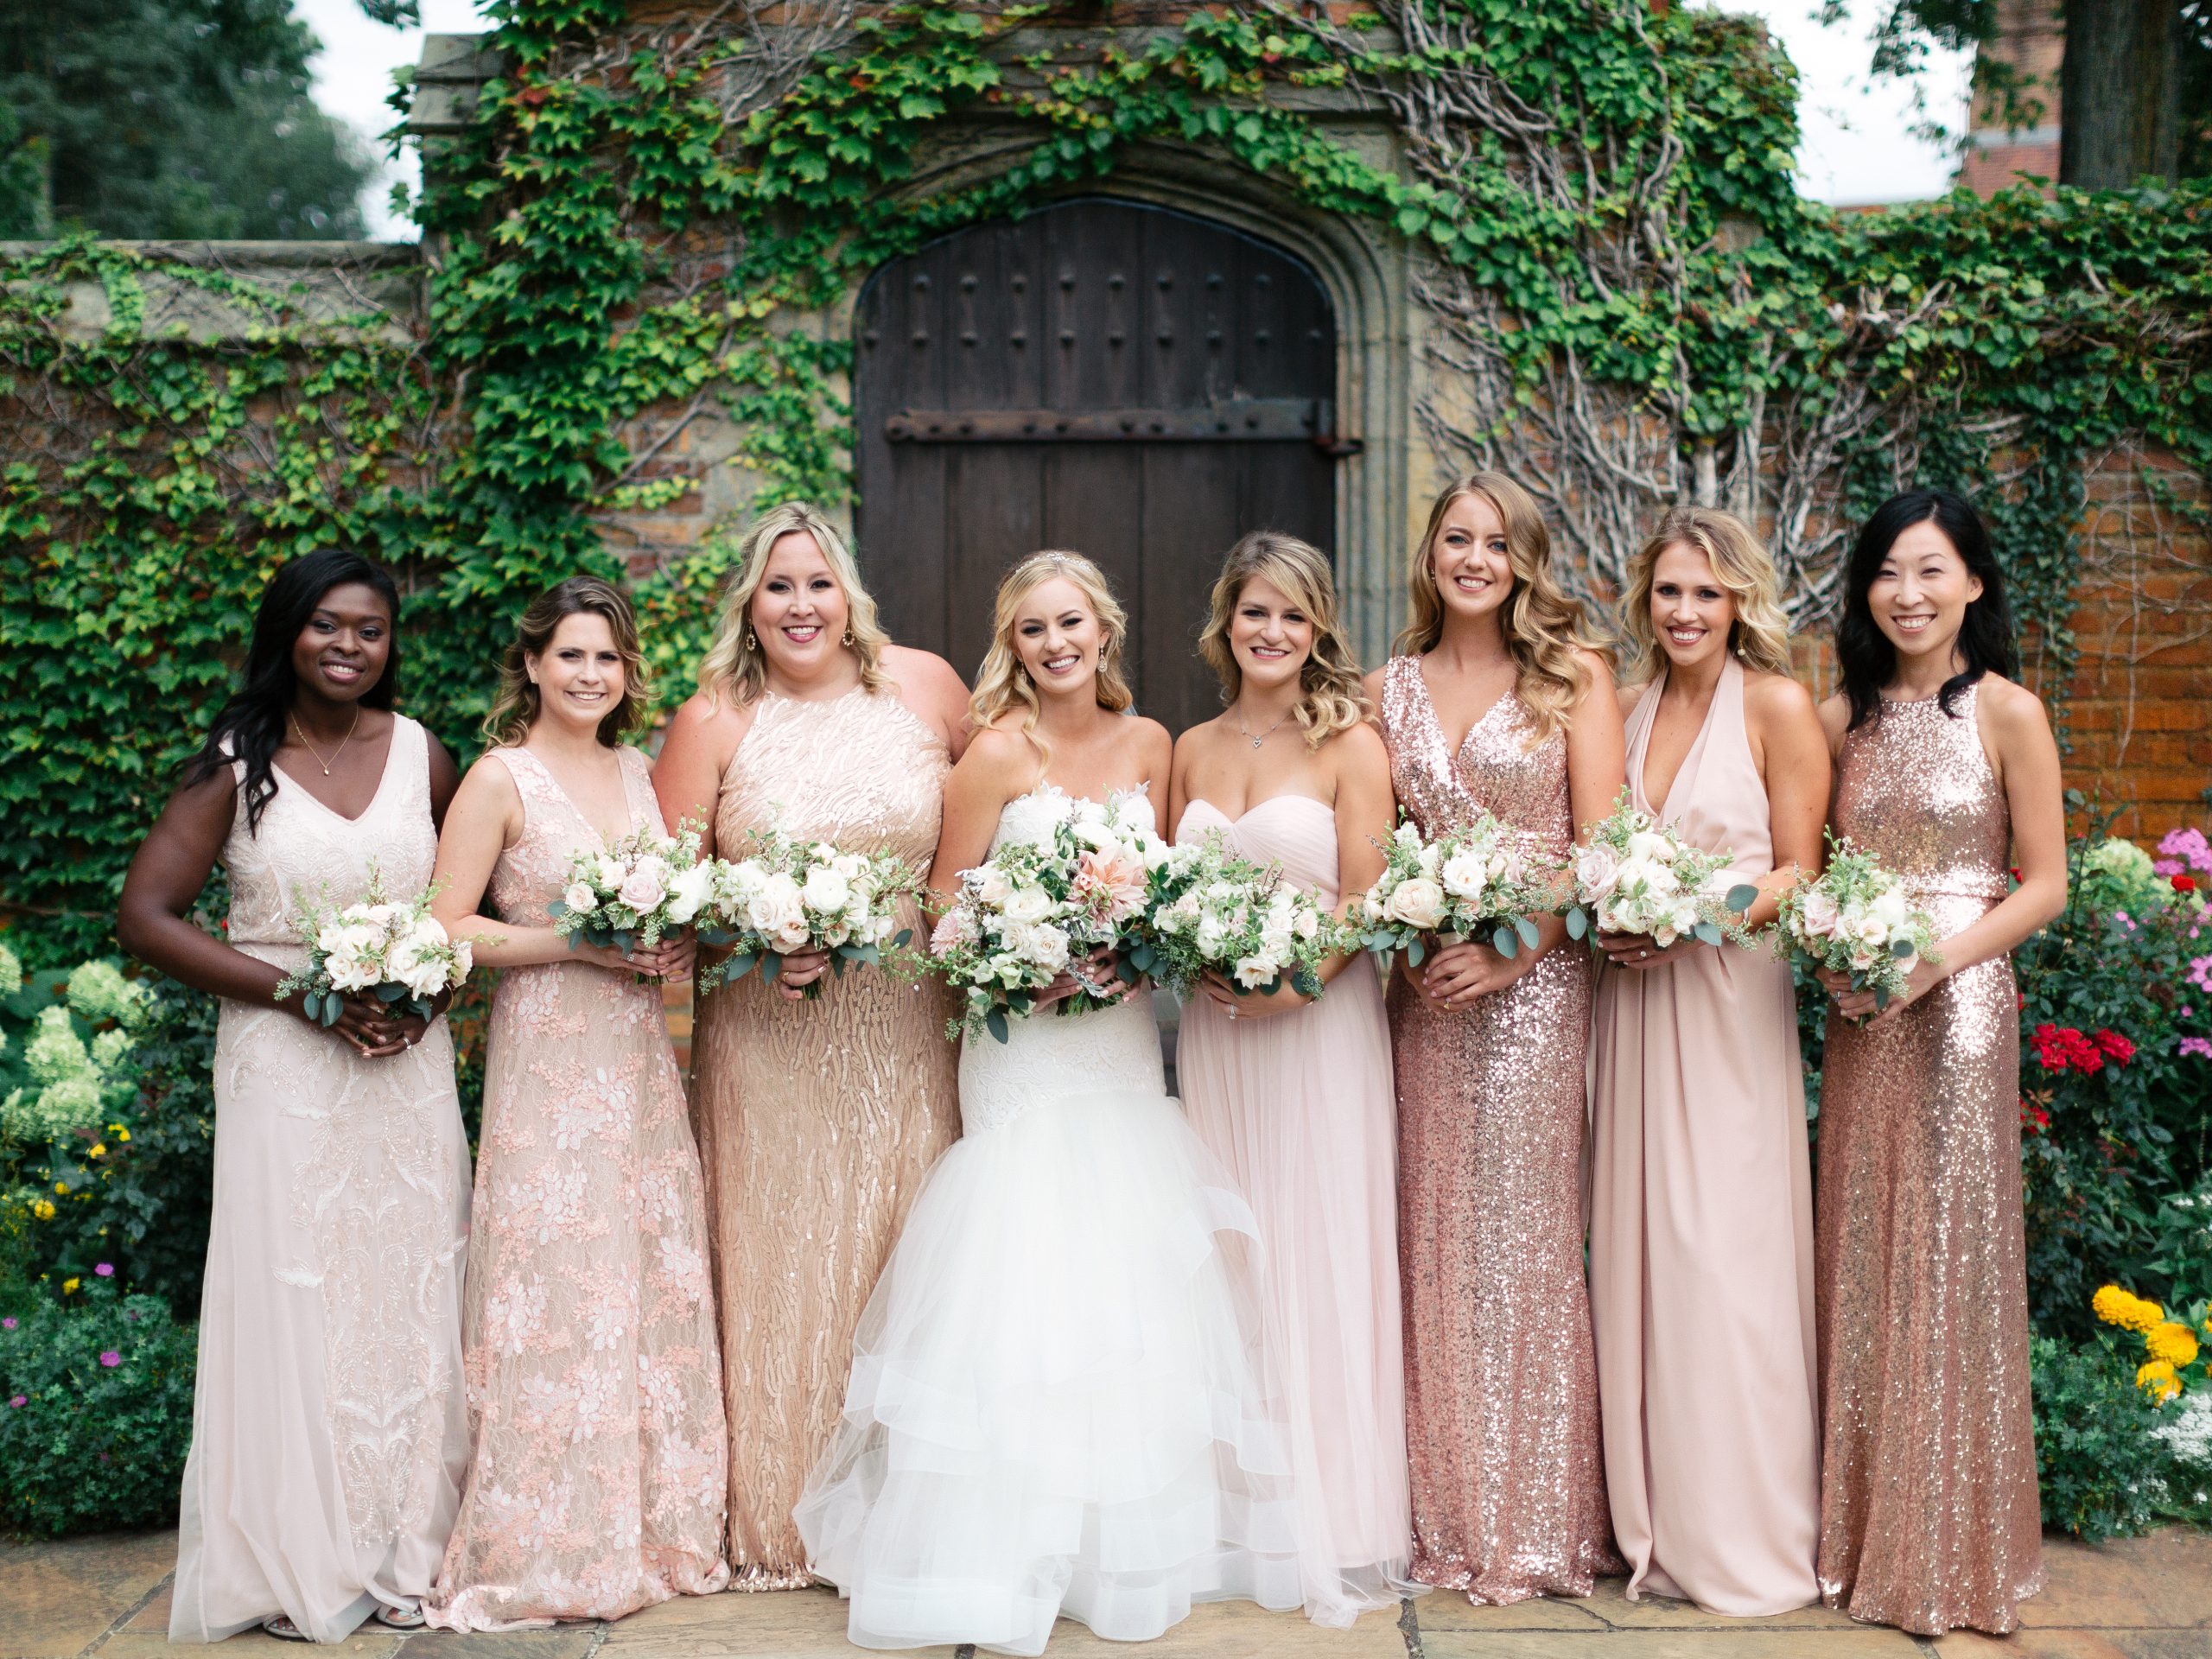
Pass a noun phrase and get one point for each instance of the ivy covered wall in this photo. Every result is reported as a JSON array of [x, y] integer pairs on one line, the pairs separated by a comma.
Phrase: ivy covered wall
[[646, 226]]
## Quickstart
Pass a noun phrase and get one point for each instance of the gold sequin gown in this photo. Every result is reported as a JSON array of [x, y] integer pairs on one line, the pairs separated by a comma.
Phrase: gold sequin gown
[[816, 1120], [1929, 1511], [1508, 1489]]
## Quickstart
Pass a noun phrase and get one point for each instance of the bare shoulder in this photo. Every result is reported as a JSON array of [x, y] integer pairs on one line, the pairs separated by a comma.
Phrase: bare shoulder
[[1372, 685], [1197, 739], [1360, 745], [924, 674], [2010, 708], [999, 748], [1835, 713], [1629, 696], [1150, 739], [1776, 696], [700, 715], [1596, 665]]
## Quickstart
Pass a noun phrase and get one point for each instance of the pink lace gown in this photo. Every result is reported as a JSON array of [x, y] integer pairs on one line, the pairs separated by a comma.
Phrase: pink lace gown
[[328, 1428], [596, 1484], [1508, 1488], [1701, 1229], [1298, 1108]]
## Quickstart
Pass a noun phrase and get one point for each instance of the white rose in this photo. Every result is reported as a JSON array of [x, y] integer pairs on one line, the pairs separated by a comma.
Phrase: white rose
[[607, 873], [354, 967], [827, 892], [1465, 874], [1649, 845], [464, 960], [1820, 914], [644, 886], [776, 909], [1253, 972], [1213, 932], [1308, 925], [1890, 908], [1429, 858], [689, 893], [422, 973], [1040, 944], [993, 887], [1419, 902], [1027, 905], [1596, 872], [738, 885]]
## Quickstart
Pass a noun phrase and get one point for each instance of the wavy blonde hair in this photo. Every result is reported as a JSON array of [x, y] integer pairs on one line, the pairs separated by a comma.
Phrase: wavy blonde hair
[[1741, 566], [1002, 684], [516, 705], [1545, 626], [735, 666], [1330, 698]]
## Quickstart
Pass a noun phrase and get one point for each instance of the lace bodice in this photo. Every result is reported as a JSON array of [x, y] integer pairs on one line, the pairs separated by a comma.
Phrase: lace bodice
[[863, 770], [1051, 1056], [305, 854], [530, 874]]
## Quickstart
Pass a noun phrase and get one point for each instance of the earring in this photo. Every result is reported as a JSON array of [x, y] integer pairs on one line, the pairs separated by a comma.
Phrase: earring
[[846, 639], [752, 640]]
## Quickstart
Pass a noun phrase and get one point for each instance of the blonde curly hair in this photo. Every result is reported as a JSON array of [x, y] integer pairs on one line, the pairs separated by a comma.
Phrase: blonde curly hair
[[1741, 566], [735, 666], [1002, 684], [1545, 626], [1331, 698]]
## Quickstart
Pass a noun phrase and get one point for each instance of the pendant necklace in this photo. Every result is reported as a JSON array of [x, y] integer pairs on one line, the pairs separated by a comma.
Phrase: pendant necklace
[[1271, 730], [300, 731]]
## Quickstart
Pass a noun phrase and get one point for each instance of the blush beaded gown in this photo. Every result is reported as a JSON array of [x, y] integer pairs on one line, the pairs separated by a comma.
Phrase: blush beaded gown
[[817, 1120], [1701, 1228], [1298, 1108], [596, 1479], [1508, 1489], [329, 1428], [1929, 1518]]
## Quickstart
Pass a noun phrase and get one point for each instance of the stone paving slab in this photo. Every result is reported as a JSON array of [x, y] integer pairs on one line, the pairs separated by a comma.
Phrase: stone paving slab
[[2140, 1598]]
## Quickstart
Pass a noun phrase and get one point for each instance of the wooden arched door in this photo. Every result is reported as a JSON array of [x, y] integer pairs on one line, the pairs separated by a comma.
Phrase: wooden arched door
[[1127, 381]]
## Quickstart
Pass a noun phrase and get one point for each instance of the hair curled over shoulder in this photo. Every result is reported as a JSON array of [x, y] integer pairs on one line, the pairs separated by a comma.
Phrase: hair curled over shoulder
[[250, 726], [1003, 684], [1741, 566], [516, 706], [734, 666], [1864, 660], [1330, 697], [1545, 626]]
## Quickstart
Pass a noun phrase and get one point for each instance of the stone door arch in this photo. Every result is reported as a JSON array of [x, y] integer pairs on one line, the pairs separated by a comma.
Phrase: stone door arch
[[1133, 382]]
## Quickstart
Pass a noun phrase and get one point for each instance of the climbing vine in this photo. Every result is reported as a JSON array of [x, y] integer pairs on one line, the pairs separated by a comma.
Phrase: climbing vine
[[645, 225]]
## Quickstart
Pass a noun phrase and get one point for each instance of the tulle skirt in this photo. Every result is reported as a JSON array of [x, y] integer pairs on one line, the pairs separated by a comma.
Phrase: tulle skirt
[[1059, 1402]]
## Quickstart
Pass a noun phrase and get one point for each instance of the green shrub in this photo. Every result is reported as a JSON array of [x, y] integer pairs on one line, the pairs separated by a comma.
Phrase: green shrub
[[95, 1410], [2101, 1469]]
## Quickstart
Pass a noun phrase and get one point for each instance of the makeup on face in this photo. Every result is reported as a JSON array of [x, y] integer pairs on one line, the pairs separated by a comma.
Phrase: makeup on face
[[799, 611], [1057, 636], [580, 675], [1692, 613], [1271, 637], [1470, 557], [1918, 598], [342, 650]]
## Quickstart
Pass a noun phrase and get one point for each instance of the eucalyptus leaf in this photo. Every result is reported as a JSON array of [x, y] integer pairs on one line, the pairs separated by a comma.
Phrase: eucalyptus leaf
[[994, 1022], [1526, 928], [1707, 933], [1506, 941], [1742, 897], [1414, 953], [1577, 922]]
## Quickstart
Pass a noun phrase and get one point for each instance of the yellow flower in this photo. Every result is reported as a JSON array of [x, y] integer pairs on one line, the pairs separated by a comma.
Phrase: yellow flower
[[68, 1285], [2131, 1312], [123, 1134], [2175, 1343], [43, 1208], [98, 1151], [62, 1186], [2158, 1380]]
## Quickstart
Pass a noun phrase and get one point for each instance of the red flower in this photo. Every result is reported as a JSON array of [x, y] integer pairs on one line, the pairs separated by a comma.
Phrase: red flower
[[2033, 1119], [2116, 1045], [2061, 1048], [2184, 883]]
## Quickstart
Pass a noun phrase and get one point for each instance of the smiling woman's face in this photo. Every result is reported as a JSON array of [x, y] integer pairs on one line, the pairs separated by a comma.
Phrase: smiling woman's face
[[799, 610], [579, 675], [1058, 637], [1919, 596], [341, 652], [1691, 611], [1470, 558]]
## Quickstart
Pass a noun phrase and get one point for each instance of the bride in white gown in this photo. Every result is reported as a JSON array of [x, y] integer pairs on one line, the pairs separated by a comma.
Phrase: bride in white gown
[[1058, 1401]]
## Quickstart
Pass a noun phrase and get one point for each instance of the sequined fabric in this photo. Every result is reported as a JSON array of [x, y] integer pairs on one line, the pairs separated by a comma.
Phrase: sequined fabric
[[1929, 1511], [1508, 1494], [816, 1120]]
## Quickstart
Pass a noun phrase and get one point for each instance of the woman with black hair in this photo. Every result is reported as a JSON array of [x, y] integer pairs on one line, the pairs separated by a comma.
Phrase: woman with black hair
[[1946, 771], [329, 1428]]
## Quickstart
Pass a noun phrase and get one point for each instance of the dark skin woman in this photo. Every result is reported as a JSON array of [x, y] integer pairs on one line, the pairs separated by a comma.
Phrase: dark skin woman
[[336, 730]]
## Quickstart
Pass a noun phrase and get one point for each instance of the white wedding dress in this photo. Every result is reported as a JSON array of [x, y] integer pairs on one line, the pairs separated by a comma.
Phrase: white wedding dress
[[1058, 1401]]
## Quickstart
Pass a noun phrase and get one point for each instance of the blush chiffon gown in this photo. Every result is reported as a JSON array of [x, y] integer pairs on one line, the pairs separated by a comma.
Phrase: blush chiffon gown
[[1298, 1108], [1701, 1228]]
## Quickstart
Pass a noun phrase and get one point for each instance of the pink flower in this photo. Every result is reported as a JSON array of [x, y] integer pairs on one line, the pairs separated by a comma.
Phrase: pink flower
[[2197, 1045], [8, 1324], [21, 1399], [2188, 845], [1104, 882], [2199, 973], [106, 1270], [111, 1359]]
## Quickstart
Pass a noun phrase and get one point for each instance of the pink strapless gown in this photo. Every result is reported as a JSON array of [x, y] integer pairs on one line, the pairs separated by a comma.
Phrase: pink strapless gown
[[1300, 1107]]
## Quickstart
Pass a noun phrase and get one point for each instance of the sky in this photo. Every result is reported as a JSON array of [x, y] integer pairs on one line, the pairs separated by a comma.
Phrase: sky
[[1857, 146]]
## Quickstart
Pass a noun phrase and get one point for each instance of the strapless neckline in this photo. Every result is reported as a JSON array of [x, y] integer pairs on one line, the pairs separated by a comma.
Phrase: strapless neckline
[[1197, 801]]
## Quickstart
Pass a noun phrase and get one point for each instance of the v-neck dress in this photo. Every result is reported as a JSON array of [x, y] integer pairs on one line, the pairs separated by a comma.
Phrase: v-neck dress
[[1701, 1228], [596, 1479], [1508, 1489], [328, 1427]]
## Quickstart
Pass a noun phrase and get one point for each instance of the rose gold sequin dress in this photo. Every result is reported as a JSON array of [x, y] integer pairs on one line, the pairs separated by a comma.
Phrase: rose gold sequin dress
[[596, 1477], [1929, 1511], [817, 1120], [1509, 1491]]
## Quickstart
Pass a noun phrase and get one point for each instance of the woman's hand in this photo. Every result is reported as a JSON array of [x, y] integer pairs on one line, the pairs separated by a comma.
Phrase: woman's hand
[[1094, 974], [1641, 950], [1457, 974], [1252, 1005], [800, 969], [1859, 1005], [669, 960], [370, 1027]]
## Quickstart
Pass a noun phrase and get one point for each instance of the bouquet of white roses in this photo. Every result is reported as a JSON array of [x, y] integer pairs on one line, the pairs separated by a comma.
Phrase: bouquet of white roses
[[1076, 875], [1636, 875], [786, 895], [641, 887], [1475, 881], [395, 953], [1854, 918], [1216, 912]]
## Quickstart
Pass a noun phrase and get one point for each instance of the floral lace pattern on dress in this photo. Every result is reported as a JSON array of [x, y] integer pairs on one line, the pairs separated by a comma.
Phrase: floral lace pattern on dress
[[595, 1384]]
